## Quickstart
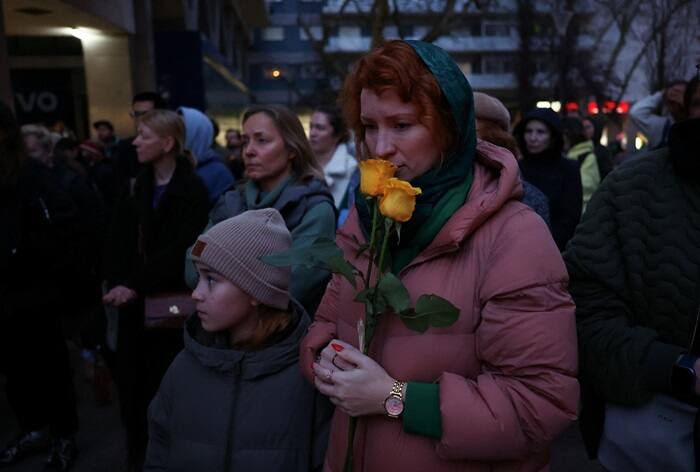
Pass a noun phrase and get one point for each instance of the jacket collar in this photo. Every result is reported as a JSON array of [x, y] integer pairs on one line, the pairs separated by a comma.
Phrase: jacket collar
[[180, 183], [211, 351], [340, 162]]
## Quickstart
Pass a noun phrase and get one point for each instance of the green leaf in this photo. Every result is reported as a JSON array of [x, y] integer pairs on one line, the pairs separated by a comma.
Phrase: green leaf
[[323, 253], [321, 249], [338, 265], [394, 293], [415, 322], [374, 305], [430, 310], [365, 295]]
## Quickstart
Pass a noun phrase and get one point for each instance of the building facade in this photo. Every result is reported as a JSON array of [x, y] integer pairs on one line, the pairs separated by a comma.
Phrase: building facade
[[78, 61]]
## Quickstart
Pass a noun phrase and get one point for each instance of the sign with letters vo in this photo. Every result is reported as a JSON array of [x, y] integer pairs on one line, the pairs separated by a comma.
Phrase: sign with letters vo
[[44, 96]]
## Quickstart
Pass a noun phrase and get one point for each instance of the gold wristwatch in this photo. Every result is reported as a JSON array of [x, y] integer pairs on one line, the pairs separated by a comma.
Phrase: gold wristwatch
[[393, 405]]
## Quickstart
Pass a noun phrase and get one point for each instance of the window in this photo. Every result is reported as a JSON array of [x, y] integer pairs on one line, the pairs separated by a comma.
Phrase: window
[[349, 32], [312, 71], [274, 33], [497, 29], [316, 33], [391, 32], [498, 65]]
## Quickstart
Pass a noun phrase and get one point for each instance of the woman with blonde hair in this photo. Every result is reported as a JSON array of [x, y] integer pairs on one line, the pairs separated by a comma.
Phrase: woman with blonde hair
[[282, 173], [158, 215]]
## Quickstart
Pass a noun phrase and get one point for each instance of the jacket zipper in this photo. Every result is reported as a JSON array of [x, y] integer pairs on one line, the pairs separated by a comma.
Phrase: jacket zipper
[[230, 443]]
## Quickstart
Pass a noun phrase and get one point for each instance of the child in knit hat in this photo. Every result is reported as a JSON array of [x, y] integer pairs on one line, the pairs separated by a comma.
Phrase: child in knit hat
[[235, 394]]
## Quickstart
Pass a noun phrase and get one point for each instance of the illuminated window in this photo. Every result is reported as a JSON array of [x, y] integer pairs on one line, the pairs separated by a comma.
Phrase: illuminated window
[[349, 32], [273, 33]]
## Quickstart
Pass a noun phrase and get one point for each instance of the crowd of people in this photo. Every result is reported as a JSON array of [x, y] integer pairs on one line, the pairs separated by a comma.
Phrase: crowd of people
[[576, 277]]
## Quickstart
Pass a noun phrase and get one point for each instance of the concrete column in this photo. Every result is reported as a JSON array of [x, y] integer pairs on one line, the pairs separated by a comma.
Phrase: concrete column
[[143, 56], [108, 80], [5, 86]]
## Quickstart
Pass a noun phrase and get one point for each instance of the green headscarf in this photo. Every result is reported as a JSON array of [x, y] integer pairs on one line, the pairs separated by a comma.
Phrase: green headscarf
[[444, 188]]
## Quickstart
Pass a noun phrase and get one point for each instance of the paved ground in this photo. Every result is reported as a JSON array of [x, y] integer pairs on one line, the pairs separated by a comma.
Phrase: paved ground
[[101, 442]]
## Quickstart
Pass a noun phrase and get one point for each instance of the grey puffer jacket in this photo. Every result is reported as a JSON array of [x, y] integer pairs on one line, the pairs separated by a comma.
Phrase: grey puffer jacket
[[219, 409]]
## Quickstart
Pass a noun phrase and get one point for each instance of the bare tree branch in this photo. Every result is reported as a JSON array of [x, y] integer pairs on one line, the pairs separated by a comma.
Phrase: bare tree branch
[[396, 16], [365, 17], [657, 28], [319, 46], [380, 12], [442, 24]]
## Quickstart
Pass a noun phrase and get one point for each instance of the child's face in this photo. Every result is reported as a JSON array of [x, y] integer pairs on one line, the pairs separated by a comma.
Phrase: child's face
[[221, 305]]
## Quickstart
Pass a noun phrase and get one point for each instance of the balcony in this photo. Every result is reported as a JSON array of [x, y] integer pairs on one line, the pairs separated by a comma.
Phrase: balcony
[[361, 44], [492, 81]]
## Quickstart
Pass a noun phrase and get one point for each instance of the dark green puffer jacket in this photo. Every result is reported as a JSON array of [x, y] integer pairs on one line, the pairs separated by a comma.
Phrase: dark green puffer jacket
[[634, 265], [220, 409]]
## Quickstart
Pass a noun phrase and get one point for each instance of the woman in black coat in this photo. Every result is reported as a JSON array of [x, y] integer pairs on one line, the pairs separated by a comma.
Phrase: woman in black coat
[[158, 216], [539, 137]]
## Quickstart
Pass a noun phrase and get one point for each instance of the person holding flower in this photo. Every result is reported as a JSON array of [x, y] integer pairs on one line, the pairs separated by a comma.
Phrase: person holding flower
[[490, 389]]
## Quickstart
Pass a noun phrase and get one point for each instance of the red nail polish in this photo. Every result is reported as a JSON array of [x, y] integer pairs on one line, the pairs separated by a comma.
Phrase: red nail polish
[[337, 347]]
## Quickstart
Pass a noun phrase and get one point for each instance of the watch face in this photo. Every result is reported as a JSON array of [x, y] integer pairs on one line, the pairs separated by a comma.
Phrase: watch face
[[393, 406]]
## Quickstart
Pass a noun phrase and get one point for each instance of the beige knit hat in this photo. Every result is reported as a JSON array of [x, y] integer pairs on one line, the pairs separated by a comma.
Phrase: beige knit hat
[[233, 249], [490, 108]]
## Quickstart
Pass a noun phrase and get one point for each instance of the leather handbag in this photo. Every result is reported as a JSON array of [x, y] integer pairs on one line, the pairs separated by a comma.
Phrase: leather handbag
[[168, 310]]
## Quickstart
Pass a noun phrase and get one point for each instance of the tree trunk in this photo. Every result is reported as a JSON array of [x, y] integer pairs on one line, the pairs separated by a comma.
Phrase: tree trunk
[[380, 12], [526, 65]]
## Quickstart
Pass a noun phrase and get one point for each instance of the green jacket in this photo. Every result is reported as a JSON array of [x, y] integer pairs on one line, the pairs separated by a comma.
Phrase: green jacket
[[634, 265]]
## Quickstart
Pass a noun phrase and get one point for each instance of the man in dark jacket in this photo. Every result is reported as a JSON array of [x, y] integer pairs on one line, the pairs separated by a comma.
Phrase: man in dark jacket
[[634, 264]]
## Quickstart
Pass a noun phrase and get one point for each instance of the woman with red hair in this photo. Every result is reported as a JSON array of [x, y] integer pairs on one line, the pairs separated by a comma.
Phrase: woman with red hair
[[492, 390]]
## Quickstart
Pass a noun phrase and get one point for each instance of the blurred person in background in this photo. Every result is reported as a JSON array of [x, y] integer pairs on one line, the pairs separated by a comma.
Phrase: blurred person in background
[[593, 130], [105, 135], [540, 140], [653, 115], [328, 137], [209, 164], [234, 150], [580, 149], [37, 256], [493, 125]]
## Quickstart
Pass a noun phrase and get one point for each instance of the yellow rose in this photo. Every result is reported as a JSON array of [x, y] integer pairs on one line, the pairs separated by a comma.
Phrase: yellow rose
[[373, 176], [399, 200]]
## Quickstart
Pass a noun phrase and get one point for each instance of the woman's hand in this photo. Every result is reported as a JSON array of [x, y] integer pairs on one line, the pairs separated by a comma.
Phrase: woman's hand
[[119, 296], [360, 389]]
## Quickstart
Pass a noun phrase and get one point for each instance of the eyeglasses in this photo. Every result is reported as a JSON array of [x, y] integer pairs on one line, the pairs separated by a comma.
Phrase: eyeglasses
[[136, 114]]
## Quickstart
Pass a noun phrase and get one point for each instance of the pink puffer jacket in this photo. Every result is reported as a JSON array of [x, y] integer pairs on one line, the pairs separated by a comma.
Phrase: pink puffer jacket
[[506, 369]]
